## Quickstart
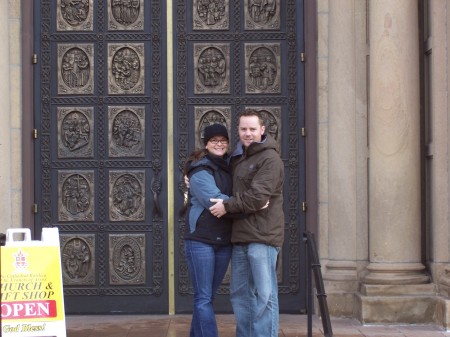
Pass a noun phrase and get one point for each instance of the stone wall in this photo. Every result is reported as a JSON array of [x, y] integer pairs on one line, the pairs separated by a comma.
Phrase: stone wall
[[10, 115], [384, 215]]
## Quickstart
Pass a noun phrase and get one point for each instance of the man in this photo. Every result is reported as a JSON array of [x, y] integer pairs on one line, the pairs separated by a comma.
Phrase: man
[[258, 175]]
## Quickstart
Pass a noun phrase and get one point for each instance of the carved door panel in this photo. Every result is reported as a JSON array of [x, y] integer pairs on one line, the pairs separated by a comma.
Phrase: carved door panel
[[100, 100], [231, 56]]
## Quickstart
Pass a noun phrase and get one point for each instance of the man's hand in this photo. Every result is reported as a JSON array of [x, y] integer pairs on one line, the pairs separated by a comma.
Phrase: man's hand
[[218, 209]]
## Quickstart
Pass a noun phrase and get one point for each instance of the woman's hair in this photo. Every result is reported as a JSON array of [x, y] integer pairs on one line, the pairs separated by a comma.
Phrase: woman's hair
[[193, 157]]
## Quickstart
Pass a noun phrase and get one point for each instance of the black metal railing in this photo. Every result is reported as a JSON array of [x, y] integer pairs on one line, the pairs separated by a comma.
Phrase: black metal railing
[[313, 268]]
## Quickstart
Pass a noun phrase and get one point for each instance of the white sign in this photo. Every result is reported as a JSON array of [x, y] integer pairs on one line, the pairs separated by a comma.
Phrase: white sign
[[32, 299]]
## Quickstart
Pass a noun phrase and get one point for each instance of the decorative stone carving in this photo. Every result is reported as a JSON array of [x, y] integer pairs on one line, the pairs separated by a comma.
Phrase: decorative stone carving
[[75, 132], [126, 68], [74, 15], [127, 195], [211, 14], [212, 68], [262, 14], [207, 115], [78, 259], [125, 14], [262, 68], [75, 69], [126, 131], [127, 259], [76, 195], [272, 120]]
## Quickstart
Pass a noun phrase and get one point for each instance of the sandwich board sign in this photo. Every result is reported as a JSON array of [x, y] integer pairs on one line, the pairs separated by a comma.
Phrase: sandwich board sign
[[32, 302]]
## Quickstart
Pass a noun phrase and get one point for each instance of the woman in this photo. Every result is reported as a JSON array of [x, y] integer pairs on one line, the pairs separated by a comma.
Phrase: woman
[[207, 241]]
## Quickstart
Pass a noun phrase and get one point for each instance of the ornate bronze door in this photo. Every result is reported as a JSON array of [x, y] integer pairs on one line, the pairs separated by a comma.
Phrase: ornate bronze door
[[103, 174], [230, 56], [100, 121]]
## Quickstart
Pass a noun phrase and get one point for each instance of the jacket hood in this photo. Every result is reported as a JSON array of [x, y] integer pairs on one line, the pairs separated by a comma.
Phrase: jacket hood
[[211, 161], [267, 142]]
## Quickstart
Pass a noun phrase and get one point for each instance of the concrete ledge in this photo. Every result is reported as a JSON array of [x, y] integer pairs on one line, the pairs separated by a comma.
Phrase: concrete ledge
[[407, 309], [442, 312], [428, 289], [339, 304]]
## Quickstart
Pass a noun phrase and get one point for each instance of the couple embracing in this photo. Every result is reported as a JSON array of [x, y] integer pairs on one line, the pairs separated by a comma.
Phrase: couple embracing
[[235, 212]]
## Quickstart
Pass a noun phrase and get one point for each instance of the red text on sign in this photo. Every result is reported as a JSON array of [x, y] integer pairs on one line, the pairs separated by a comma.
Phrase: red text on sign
[[32, 309]]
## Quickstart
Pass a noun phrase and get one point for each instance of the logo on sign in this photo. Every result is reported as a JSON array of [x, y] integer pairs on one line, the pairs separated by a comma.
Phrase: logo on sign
[[20, 262]]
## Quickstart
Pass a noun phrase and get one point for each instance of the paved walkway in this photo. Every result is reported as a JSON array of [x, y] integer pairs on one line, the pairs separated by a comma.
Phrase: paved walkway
[[178, 326]]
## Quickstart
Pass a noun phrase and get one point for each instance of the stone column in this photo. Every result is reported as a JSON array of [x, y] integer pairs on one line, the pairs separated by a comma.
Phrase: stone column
[[396, 288], [438, 141], [394, 145], [5, 117], [340, 275]]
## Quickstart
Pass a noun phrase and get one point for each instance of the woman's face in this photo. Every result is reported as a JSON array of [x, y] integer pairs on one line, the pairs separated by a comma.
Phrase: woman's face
[[217, 146]]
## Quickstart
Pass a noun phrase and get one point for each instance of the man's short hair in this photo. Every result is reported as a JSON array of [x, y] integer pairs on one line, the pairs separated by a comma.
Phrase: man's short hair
[[252, 112]]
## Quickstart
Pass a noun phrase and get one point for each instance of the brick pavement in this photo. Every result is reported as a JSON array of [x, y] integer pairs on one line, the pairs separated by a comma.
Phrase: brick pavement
[[178, 326]]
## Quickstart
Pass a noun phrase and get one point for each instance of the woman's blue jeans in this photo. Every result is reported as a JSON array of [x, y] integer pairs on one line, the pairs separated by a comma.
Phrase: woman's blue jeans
[[254, 290], [207, 265]]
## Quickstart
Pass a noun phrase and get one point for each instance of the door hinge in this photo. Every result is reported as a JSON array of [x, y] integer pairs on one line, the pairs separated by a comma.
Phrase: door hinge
[[302, 57], [34, 59], [303, 132], [35, 133], [304, 206], [34, 208]]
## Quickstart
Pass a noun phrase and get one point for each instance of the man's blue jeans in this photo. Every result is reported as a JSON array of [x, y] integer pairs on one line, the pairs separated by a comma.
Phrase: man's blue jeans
[[254, 290], [207, 266]]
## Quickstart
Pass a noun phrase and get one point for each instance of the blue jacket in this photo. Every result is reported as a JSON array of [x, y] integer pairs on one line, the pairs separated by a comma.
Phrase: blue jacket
[[208, 180]]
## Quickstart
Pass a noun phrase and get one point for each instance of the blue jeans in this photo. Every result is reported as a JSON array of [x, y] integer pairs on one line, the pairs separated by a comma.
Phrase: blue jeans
[[207, 265], [254, 290]]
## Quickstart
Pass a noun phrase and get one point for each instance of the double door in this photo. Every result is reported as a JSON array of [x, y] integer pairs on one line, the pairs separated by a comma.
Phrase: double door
[[123, 91]]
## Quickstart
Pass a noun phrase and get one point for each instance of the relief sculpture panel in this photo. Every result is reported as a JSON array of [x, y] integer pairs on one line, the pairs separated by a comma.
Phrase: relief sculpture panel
[[262, 14], [262, 68], [74, 15], [75, 69], [126, 131], [127, 195], [76, 195], [272, 120], [126, 70], [126, 259], [78, 259], [125, 14], [75, 132], [211, 14], [207, 115], [212, 68]]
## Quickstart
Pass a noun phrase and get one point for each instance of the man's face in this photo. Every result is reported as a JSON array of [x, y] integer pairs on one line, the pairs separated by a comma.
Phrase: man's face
[[250, 130]]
